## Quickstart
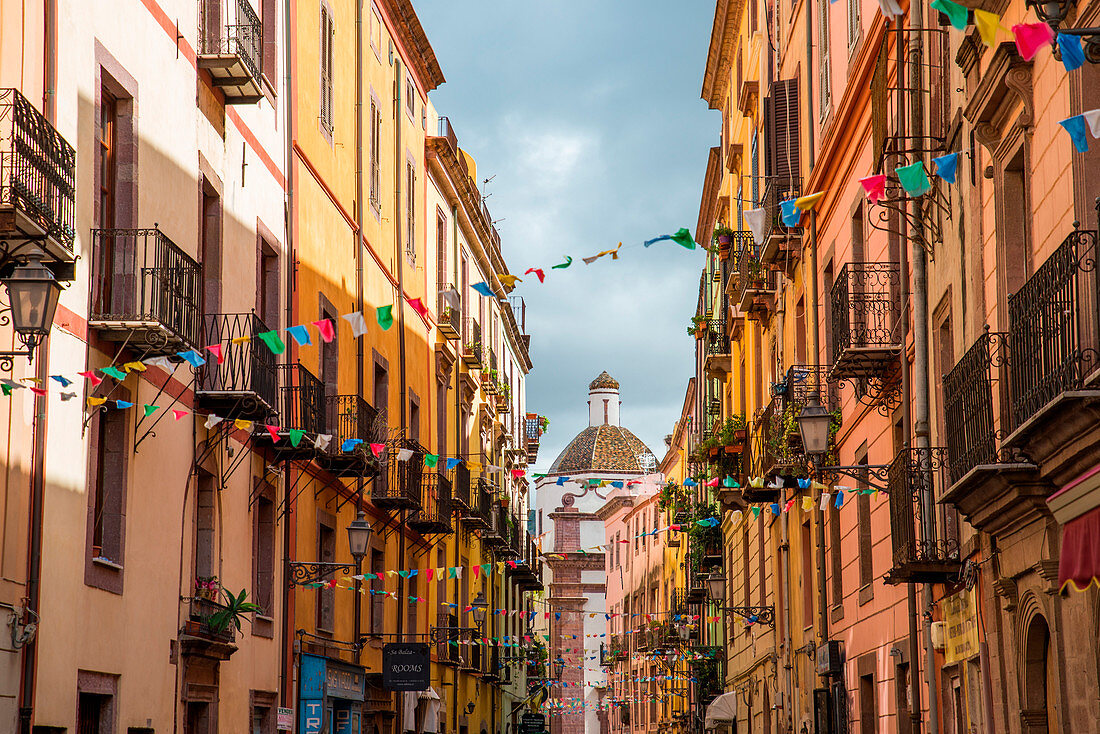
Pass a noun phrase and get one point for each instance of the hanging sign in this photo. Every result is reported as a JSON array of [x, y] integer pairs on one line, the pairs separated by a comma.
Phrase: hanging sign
[[284, 720], [406, 666], [532, 724]]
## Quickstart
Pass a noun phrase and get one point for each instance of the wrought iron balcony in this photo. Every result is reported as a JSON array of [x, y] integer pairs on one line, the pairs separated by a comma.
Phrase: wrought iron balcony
[[479, 516], [447, 650], [782, 244], [434, 516], [755, 285], [400, 485], [37, 179], [766, 454], [718, 359], [301, 407], [199, 638], [495, 536], [349, 418], [460, 488], [800, 382], [449, 308], [145, 291], [924, 550], [243, 385], [230, 37], [473, 351], [865, 312], [1053, 328]]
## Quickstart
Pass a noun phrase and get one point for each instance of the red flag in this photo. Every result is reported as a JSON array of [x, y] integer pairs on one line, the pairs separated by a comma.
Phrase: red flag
[[216, 350], [178, 414], [537, 271], [418, 306], [324, 327], [91, 376], [273, 431], [377, 448]]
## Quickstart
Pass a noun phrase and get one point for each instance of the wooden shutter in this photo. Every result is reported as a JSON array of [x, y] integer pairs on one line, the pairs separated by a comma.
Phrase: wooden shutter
[[785, 119]]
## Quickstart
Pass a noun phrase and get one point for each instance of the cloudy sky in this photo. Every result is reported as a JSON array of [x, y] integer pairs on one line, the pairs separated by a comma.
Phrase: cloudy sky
[[587, 115]]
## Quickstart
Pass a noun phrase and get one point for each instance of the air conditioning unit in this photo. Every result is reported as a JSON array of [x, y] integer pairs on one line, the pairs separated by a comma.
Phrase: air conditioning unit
[[830, 658]]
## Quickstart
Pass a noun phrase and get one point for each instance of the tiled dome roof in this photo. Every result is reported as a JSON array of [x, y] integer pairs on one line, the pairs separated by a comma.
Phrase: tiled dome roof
[[603, 448], [604, 381]]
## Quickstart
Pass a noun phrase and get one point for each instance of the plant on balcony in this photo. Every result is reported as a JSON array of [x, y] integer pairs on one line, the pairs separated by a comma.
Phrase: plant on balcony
[[698, 327], [756, 272], [723, 235], [235, 609], [702, 537], [734, 431], [207, 587]]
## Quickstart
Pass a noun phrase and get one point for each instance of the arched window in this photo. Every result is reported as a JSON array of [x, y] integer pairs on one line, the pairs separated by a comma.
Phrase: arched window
[[1038, 716]]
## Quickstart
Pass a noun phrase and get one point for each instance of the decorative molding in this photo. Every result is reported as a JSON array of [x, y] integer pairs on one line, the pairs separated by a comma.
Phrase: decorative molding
[[1006, 589]]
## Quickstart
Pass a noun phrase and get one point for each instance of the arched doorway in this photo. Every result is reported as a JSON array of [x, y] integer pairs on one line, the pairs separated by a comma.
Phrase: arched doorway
[[1039, 715]]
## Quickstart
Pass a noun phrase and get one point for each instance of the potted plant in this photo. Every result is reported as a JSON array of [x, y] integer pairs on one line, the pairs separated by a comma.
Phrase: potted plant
[[733, 434], [723, 235], [756, 273], [206, 587], [698, 327], [235, 609]]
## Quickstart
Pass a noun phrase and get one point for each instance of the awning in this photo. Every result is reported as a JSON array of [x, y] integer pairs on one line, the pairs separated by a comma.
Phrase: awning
[[721, 710], [1079, 566]]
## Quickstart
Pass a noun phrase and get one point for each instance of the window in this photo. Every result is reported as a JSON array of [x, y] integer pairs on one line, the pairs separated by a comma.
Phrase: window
[[205, 518], [210, 248], [326, 597], [375, 30], [263, 553], [868, 716], [441, 276], [330, 357], [618, 545], [901, 696], [377, 608], [410, 627], [826, 82], [863, 518], [375, 155], [410, 212], [109, 476], [414, 416], [853, 23], [108, 166], [837, 560], [410, 98], [269, 14], [263, 712], [807, 575], [267, 286], [328, 34]]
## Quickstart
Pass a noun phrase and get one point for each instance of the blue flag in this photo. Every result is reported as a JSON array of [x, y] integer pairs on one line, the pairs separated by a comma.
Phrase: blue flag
[[483, 288], [1075, 126], [947, 166], [1073, 57]]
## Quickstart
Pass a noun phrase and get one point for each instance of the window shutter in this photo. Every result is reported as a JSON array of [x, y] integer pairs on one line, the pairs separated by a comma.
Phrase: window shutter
[[785, 117], [853, 22]]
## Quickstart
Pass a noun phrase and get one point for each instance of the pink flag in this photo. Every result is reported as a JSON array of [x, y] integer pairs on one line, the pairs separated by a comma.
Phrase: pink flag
[[91, 376], [875, 186], [418, 306], [517, 473], [787, 507], [537, 271], [476, 570], [216, 350], [324, 327], [430, 572], [377, 448], [38, 390], [179, 414], [273, 431], [1030, 37], [712, 482]]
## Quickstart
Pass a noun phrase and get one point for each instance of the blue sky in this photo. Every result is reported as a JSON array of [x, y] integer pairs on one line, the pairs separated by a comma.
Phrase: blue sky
[[588, 116]]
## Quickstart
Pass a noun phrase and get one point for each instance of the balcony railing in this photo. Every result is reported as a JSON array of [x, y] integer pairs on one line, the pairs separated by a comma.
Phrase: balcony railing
[[803, 381], [244, 383], [925, 551], [460, 488], [755, 284], [145, 291], [434, 516], [1053, 327], [973, 424], [473, 351], [865, 312], [449, 309], [400, 486], [781, 243], [198, 621], [230, 37], [447, 652], [37, 178], [479, 516], [301, 407], [349, 418]]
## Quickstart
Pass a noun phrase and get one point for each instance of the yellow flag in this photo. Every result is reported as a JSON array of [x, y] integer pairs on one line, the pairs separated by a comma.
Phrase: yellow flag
[[508, 280], [242, 340], [474, 466], [95, 402], [808, 202], [134, 366], [807, 503], [987, 23], [243, 424], [756, 482], [737, 514]]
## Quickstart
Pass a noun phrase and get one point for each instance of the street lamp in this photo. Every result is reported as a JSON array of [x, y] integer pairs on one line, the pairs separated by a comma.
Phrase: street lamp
[[1050, 11], [716, 587], [33, 293], [359, 534], [479, 606], [559, 667], [813, 424]]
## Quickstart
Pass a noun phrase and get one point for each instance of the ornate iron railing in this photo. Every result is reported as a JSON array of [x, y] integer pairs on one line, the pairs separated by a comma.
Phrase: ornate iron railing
[[460, 487], [473, 351], [401, 483], [802, 381], [718, 340], [449, 308], [303, 399], [231, 27], [752, 275], [974, 428], [141, 275], [434, 515], [775, 191], [923, 549], [37, 169], [248, 367], [200, 612], [1053, 327], [865, 313], [348, 417]]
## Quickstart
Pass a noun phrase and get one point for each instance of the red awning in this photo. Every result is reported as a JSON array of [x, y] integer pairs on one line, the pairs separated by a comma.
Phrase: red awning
[[1080, 563]]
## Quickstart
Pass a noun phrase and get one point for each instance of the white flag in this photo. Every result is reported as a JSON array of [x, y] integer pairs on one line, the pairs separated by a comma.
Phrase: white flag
[[890, 8], [322, 441], [1092, 117], [756, 219], [212, 420], [824, 501], [404, 454], [163, 362], [358, 323]]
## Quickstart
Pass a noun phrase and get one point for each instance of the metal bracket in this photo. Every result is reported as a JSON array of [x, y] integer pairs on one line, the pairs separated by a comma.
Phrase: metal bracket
[[756, 615], [302, 573], [862, 472]]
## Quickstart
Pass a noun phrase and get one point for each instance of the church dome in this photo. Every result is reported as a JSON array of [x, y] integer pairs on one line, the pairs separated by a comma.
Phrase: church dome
[[604, 448], [604, 381]]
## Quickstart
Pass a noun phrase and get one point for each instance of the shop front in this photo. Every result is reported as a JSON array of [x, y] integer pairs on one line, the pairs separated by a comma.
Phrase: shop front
[[330, 696]]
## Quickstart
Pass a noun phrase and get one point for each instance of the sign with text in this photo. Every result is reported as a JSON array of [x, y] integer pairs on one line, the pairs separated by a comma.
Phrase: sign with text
[[406, 666], [960, 628], [532, 724], [284, 720]]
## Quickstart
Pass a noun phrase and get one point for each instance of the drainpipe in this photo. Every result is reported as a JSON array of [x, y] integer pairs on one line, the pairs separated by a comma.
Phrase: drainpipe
[[285, 653], [921, 420], [357, 603]]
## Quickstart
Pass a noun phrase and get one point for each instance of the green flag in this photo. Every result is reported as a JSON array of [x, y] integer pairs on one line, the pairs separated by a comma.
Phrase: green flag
[[913, 179], [114, 372], [683, 238], [296, 435], [955, 13], [385, 317], [430, 460], [564, 265], [273, 342], [150, 409]]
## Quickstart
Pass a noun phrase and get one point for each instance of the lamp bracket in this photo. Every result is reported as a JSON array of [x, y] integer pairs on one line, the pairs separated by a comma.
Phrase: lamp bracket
[[453, 634], [302, 573], [764, 615], [863, 473]]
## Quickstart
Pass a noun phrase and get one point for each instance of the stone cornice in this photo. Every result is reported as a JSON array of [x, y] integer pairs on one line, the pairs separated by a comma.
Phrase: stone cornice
[[708, 203], [413, 37], [723, 37]]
